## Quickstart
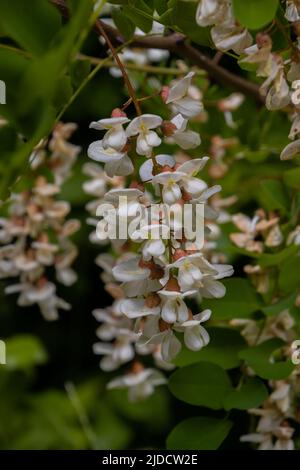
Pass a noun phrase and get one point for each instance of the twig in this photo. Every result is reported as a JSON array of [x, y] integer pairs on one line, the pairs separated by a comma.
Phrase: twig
[[139, 67], [175, 43], [127, 81]]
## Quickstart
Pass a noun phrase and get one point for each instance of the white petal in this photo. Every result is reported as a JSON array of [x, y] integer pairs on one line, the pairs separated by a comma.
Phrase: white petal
[[130, 271], [291, 150], [168, 312], [170, 347], [187, 140], [180, 88], [146, 169]]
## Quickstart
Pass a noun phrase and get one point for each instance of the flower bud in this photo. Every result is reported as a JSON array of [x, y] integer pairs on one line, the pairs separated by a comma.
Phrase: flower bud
[[168, 128], [117, 112], [165, 93], [152, 300], [172, 285], [179, 253]]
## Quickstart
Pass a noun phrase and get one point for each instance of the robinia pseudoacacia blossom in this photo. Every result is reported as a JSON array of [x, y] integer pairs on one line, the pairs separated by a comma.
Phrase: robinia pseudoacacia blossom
[[175, 294]]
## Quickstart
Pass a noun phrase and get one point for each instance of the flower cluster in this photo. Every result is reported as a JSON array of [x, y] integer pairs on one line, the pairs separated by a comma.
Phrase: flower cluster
[[226, 33], [35, 235], [159, 266], [280, 412]]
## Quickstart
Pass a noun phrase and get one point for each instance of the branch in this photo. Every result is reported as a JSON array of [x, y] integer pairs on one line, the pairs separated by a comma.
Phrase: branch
[[175, 43]]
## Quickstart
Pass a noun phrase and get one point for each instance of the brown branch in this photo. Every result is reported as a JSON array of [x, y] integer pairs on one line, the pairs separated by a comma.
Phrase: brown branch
[[175, 43]]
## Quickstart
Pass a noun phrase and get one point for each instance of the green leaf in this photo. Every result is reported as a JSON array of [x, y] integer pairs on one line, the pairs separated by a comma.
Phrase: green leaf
[[140, 15], [200, 433], [183, 16], [161, 6], [24, 351], [240, 301], [142, 412], [289, 276], [41, 86], [273, 196], [254, 14], [251, 395], [32, 27], [280, 306], [202, 384], [79, 71], [123, 23], [292, 178], [276, 259], [261, 359], [222, 349]]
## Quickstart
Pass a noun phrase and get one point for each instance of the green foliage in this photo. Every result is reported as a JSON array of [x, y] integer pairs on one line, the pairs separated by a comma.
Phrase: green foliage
[[202, 384], [140, 14], [222, 349], [240, 301], [123, 23], [182, 14], [143, 411], [199, 434], [206, 384], [251, 394], [24, 351], [37, 82], [274, 196], [289, 277], [263, 360], [32, 28], [255, 14]]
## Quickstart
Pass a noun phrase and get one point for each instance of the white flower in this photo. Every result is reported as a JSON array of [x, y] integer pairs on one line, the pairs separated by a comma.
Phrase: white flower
[[294, 236], [171, 191], [116, 162], [136, 280], [192, 185], [179, 99], [117, 353], [292, 11], [228, 35], [174, 308], [185, 138], [182, 179], [210, 12], [279, 94], [169, 344], [147, 139], [97, 185], [140, 385], [135, 308], [275, 86], [295, 128], [195, 272], [164, 338], [115, 136], [153, 236], [195, 336], [130, 271], [291, 150], [146, 169]]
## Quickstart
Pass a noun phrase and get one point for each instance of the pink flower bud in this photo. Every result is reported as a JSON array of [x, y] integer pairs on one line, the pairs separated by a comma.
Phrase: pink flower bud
[[117, 112], [165, 93]]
